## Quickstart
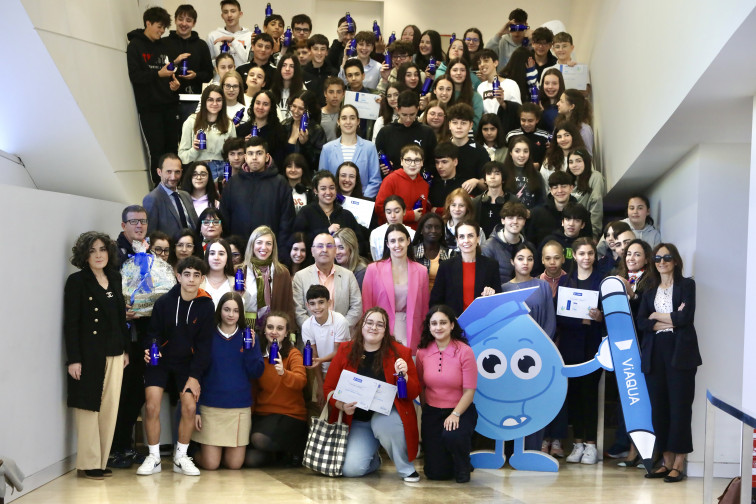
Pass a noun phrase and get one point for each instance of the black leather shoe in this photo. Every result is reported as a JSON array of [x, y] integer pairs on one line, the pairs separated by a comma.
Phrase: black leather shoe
[[658, 474], [463, 477], [107, 473], [674, 479]]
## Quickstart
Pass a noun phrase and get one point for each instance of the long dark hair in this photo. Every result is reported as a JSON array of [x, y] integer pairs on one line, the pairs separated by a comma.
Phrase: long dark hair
[[401, 229], [296, 85], [535, 181], [401, 73], [466, 91], [297, 159], [544, 100], [580, 242], [357, 191], [493, 120], [285, 345], [272, 119], [648, 280], [236, 297], [311, 105], [228, 269], [386, 111], [456, 332], [554, 155], [210, 189], [581, 181], [582, 112], [516, 69], [415, 38], [436, 51], [357, 350], [678, 272], [222, 122]]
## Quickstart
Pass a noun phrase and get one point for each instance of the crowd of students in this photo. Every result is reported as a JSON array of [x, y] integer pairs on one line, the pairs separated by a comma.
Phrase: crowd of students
[[479, 166]]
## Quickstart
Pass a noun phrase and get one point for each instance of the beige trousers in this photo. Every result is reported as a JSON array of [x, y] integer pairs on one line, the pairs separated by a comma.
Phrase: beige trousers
[[95, 428]]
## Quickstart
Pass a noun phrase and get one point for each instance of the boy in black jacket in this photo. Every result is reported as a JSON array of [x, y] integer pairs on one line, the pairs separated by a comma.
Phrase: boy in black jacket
[[184, 40], [155, 87], [182, 325]]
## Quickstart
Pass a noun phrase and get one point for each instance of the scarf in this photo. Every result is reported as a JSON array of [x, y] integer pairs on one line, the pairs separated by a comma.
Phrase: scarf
[[634, 277], [262, 273]]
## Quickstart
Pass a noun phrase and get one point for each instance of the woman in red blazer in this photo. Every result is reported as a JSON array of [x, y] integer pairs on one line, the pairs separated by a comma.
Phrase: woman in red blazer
[[399, 285], [375, 353]]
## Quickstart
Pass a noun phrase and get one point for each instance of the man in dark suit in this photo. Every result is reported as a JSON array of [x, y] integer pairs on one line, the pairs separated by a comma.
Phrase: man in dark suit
[[169, 209]]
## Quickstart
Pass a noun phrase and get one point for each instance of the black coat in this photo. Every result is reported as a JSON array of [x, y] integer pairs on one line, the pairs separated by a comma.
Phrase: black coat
[[686, 354], [83, 315], [447, 288]]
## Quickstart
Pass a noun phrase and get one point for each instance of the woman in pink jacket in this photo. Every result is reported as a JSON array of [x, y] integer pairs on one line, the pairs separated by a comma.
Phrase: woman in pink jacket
[[399, 285]]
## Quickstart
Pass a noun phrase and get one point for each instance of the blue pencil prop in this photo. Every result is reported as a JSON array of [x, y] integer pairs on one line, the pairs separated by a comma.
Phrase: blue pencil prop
[[636, 406]]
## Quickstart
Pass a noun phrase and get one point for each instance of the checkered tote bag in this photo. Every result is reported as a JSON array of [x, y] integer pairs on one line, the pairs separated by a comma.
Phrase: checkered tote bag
[[326, 444]]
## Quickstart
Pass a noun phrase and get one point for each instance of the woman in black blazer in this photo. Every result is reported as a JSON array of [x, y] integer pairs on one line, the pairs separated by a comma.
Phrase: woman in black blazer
[[669, 358], [454, 285], [97, 344]]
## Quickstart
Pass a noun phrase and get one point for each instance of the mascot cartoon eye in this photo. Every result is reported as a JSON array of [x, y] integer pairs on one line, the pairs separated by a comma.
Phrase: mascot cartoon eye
[[526, 363], [492, 363]]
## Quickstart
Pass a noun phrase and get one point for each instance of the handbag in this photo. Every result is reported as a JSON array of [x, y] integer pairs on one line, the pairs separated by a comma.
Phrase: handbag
[[326, 443], [731, 494]]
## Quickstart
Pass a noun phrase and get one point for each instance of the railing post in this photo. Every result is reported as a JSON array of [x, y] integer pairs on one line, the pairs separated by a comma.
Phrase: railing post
[[708, 475]]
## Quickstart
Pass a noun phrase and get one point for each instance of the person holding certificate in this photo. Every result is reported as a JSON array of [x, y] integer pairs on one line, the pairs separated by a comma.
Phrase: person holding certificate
[[448, 374], [579, 341], [373, 352]]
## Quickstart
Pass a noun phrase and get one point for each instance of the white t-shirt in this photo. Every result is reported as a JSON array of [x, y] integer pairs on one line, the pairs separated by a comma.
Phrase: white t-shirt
[[326, 336], [490, 104], [377, 237]]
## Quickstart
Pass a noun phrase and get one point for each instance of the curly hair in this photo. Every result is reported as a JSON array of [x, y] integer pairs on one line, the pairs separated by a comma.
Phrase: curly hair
[[357, 350], [81, 250], [456, 331]]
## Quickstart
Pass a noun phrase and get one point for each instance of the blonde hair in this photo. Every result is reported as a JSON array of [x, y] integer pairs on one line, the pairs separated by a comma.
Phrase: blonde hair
[[257, 233]]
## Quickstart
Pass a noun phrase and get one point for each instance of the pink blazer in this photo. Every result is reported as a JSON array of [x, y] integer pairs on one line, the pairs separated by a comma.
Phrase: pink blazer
[[378, 290]]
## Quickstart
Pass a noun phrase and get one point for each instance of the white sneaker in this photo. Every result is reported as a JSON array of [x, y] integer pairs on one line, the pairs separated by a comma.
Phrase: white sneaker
[[185, 465], [151, 465], [545, 445], [556, 449], [590, 454], [577, 453]]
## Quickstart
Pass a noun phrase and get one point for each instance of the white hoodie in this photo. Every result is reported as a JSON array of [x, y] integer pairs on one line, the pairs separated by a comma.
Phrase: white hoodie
[[239, 47]]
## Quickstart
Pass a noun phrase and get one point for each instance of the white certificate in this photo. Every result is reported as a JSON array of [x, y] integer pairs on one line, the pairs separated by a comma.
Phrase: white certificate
[[575, 303], [575, 77], [368, 105], [360, 208], [356, 388], [383, 400]]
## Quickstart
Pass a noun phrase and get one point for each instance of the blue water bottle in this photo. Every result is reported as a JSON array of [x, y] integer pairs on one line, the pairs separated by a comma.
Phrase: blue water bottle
[[184, 67], [495, 85], [376, 29], [387, 59], [287, 37], [273, 352], [401, 386], [534, 93], [426, 86], [255, 131], [350, 23], [304, 122], [258, 31], [419, 203], [238, 117], [452, 38], [384, 160], [226, 171], [392, 38], [247, 338], [340, 198], [268, 10], [518, 27], [154, 353], [432, 65], [171, 67], [352, 49], [202, 137], [427, 176], [225, 47], [308, 354], [239, 279]]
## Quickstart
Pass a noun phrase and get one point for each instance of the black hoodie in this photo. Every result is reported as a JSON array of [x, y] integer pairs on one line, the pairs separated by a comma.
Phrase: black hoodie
[[199, 61], [145, 58]]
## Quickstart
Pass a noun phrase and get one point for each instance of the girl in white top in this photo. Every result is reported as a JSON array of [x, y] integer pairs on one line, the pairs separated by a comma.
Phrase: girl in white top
[[198, 184], [395, 209], [220, 277], [214, 122], [231, 84], [388, 109]]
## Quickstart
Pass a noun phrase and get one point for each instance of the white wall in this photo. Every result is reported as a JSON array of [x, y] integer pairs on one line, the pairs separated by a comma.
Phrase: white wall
[[687, 205], [36, 428], [749, 345]]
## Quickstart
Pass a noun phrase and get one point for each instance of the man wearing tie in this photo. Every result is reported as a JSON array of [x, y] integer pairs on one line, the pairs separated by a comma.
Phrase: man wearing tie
[[169, 209]]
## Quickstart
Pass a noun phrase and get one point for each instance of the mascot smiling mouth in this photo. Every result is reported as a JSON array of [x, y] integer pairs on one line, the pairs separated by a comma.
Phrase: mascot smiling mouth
[[509, 421]]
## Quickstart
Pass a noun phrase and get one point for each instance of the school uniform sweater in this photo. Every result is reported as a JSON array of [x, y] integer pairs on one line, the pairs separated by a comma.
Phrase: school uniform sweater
[[282, 394]]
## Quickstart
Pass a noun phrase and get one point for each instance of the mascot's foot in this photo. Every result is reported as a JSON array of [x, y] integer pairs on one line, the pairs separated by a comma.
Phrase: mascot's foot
[[487, 460], [531, 460]]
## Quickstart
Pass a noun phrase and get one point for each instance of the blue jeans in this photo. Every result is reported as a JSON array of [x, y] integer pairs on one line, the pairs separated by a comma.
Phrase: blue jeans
[[216, 168], [362, 445]]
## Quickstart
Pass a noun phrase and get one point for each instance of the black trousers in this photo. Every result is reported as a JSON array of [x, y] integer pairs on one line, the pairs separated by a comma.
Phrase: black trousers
[[161, 130], [582, 405], [671, 392], [132, 400], [447, 453]]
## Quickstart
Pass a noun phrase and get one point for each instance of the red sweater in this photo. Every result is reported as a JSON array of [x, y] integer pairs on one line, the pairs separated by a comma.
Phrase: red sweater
[[399, 183], [405, 407]]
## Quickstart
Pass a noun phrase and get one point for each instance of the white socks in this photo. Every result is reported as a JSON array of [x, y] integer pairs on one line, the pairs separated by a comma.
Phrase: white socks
[[181, 449], [155, 450]]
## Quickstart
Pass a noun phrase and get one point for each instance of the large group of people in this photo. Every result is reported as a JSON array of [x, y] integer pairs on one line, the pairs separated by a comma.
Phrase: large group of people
[[292, 224]]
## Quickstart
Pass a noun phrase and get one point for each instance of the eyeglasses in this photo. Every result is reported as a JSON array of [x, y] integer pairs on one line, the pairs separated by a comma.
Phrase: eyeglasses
[[211, 222], [541, 43], [230, 87], [411, 161], [161, 250], [301, 30], [185, 246], [321, 246], [666, 258], [377, 325], [472, 39], [134, 222], [199, 175]]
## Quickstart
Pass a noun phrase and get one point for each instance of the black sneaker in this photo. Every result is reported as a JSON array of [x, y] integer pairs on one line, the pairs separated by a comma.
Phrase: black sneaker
[[121, 461], [95, 474], [412, 478]]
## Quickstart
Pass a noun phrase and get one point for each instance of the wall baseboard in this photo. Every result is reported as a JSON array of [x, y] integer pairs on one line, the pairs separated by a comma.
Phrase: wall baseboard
[[44, 476], [721, 469]]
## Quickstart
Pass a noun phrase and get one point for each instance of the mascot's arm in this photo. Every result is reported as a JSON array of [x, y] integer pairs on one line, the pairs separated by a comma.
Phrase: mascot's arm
[[603, 359]]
